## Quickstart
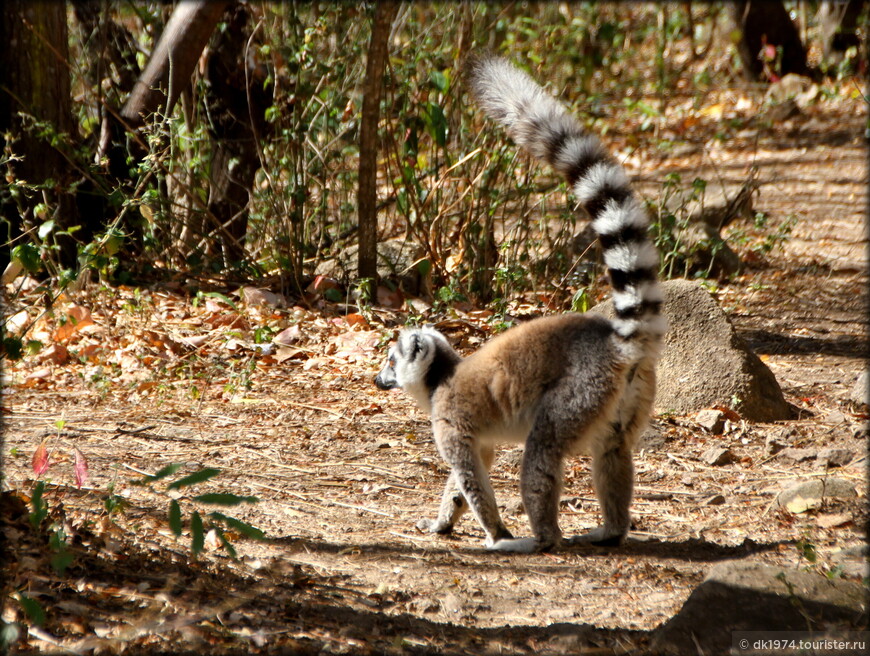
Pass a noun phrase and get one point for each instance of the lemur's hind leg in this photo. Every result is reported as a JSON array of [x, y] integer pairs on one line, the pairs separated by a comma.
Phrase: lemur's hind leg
[[613, 478], [541, 487]]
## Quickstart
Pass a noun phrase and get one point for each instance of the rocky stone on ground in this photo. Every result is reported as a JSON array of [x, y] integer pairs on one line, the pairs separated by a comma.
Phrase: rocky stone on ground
[[798, 454], [746, 596], [805, 495], [397, 261], [773, 445], [835, 457], [860, 392], [712, 420], [705, 363], [717, 456]]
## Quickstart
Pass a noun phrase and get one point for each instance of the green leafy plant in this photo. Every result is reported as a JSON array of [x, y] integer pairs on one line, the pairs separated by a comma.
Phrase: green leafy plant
[[198, 525]]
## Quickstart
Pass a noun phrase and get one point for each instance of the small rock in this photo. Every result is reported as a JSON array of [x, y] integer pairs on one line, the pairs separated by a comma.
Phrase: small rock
[[798, 455], [860, 392], [718, 456], [715, 500], [836, 457], [772, 446], [833, 520], [652, 439], [810, 494], [712, 420], [835, 417], [451, 603]]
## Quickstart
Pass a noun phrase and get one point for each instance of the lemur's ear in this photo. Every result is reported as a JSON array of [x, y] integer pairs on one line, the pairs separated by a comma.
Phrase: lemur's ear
[[416, 344]]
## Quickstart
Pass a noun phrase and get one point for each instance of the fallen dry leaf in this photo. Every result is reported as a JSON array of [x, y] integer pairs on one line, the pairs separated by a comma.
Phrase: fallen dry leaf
[[77, 318], [257, 296], [80, 468], [287, 353], [56, 353], [288, 336], [39, 462], [356, 320]]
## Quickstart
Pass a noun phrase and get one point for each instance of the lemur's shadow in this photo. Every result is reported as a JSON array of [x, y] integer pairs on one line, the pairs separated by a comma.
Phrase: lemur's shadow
[[690, 549], [696, 549]]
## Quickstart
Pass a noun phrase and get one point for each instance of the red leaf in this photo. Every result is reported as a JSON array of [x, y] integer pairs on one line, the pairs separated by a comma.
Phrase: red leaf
[[39, 462], [80, 468]]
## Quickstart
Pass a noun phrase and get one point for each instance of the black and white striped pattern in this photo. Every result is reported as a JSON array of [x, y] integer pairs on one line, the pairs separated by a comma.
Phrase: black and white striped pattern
[[541, 125]]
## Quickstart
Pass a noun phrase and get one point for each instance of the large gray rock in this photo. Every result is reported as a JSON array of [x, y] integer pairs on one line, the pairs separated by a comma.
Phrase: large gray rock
[[397, 261], [705, 363], [741, 596]]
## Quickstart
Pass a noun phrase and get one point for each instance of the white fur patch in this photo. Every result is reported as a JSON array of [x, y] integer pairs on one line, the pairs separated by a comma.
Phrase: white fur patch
[[628, 257], [626, 327], [515, 545], [617, 216], [634, 295], [633, 350], [502, 88], [600, 175]]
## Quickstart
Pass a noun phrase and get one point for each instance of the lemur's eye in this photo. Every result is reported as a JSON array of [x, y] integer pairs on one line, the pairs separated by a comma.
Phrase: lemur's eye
[[391, 361]]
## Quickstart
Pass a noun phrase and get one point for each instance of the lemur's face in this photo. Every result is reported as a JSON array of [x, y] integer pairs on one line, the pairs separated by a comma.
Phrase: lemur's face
[[409, 359], [386, 378]]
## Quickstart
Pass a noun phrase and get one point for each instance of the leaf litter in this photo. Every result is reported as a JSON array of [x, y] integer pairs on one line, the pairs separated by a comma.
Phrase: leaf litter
[[278, 398]]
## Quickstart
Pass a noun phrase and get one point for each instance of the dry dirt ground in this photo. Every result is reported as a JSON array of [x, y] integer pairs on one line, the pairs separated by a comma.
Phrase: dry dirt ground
[[343, 471]]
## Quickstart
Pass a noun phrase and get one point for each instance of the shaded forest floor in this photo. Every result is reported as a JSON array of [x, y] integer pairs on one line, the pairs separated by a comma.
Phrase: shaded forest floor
[[343, 471]]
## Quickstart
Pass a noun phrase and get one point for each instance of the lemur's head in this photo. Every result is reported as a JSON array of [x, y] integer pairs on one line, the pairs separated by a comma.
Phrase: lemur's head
[[418, 362]]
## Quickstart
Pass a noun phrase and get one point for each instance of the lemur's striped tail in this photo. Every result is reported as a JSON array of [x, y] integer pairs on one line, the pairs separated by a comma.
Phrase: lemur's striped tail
[[541, 125]]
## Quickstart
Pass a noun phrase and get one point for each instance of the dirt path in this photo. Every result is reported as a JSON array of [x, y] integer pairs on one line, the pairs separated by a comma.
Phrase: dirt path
[[343, 472]]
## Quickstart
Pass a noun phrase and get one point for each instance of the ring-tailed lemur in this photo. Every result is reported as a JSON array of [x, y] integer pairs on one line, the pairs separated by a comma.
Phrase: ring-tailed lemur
[[561, 384]]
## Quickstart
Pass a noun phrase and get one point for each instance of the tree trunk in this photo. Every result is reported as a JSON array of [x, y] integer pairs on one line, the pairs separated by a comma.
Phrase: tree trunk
[[174, 58], [158, 88], [35, 81], [385, 12], [237, 103], [762, 23], [167, 73]]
